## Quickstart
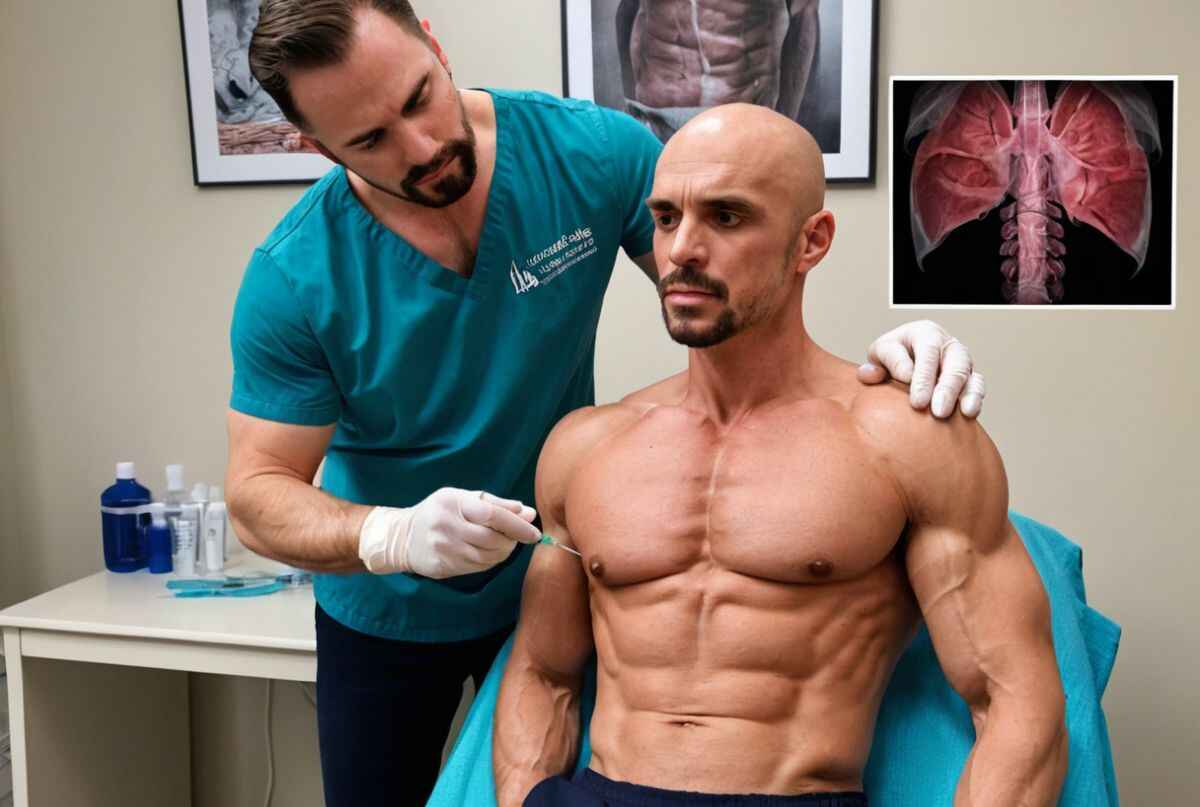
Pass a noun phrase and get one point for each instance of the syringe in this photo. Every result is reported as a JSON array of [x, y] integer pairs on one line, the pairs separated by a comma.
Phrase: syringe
[[546, 539]]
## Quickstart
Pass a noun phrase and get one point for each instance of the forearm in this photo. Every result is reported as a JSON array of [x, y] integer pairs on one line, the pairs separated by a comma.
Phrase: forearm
[[285, 518], [537, 729], [1019, 758]]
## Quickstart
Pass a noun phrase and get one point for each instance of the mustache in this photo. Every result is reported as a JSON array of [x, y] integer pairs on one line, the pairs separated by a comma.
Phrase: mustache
[[692, 277], [452, 149]]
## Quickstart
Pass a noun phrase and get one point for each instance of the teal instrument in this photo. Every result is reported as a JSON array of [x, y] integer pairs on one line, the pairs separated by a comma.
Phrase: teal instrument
[[235, 591], [546, 539], [248, 586]]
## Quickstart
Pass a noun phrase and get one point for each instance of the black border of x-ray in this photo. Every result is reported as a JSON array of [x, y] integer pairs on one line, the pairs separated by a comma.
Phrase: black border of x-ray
[[869, 179]]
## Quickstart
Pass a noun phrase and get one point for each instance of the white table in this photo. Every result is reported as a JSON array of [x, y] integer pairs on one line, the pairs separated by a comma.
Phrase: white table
[[97, 681]]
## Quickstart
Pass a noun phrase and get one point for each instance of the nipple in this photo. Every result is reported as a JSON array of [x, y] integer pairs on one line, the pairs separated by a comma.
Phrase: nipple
[[597, 567], [820, 569]]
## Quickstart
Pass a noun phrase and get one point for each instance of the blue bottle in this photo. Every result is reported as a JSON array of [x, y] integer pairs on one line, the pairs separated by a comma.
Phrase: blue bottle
[[122, 525], [158, 540]]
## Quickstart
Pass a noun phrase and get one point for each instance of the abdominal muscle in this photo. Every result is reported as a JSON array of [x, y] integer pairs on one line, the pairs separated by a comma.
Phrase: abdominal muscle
[[711, 681], [704, 52]]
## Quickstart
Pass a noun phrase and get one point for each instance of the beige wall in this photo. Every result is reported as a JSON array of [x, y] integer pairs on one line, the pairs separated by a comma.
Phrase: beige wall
[[117, 278]]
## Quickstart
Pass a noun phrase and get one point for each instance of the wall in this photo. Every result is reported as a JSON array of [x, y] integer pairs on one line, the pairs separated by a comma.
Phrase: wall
[[117, 279]]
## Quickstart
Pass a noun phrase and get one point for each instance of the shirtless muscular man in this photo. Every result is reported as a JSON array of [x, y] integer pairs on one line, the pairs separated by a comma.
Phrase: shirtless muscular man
[[761, 536]]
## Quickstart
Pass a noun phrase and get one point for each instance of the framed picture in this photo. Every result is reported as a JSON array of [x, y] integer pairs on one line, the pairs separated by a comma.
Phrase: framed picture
[[238, 133], [663, 61], [1038, 192]]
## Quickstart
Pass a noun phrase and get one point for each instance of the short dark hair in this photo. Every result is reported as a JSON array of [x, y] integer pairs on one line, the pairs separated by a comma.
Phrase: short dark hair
[[300, 34]]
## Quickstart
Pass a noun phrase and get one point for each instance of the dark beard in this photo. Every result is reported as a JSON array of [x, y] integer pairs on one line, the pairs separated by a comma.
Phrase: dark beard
[[450, 188], [726, 324], [447, 190]]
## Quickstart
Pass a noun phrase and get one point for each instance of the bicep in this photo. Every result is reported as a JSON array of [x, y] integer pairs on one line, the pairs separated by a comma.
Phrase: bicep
[[978, 590], [985, 607], [554, 634], [258, 446]]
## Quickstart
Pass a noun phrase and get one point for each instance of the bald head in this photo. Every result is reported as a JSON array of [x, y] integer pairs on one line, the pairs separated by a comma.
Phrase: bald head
[[766, 147]]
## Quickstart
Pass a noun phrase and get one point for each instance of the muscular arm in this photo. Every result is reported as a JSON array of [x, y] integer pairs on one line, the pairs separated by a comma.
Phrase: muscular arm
[[987, 614], [799, 51], [537, 729], [626, 13], [272, 503]]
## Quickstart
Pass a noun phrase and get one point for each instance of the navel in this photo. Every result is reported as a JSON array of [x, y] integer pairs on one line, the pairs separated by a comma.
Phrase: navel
[[820, 568]]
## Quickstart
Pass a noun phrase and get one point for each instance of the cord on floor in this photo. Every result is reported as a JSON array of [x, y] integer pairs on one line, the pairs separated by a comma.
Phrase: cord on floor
[[270, 748]]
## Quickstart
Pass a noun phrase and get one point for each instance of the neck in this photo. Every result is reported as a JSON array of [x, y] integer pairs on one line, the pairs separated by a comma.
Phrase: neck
[[774, 359]]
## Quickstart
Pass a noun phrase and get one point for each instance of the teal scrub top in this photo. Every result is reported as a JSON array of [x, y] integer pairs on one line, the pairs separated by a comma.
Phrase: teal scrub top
[[435, 379]]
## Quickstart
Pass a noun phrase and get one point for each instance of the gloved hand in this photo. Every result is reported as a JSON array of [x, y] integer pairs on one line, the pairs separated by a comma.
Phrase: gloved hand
[[450, 532], [939, 358]]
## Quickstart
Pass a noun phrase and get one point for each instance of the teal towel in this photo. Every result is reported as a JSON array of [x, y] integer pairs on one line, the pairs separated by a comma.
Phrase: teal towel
[[924, 731]]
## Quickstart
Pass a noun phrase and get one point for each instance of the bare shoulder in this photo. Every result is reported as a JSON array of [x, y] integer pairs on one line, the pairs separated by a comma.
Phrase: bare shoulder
[[668, 391], [885, 416], [574, 438], [947, 469]]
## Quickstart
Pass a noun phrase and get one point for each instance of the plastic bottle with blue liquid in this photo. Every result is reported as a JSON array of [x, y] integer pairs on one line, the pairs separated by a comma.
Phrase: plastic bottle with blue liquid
[[122, 519]]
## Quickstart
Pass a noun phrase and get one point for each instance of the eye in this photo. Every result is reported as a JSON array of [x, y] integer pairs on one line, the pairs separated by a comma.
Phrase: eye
[[665, 220], [726, 218], [372, 141]]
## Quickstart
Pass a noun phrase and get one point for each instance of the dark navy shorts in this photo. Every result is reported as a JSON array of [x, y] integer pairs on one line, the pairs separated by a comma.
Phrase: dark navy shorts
[[589, 789]]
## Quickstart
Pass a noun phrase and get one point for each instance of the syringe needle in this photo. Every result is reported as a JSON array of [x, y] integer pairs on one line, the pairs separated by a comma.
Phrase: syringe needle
[[546, 539]]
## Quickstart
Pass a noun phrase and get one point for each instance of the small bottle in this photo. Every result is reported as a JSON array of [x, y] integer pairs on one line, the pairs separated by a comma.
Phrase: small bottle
[[175, 496], [158, 540], [215, 494], [199, 496], [121, 521], [186, 533], [176, 493], [214, 538]]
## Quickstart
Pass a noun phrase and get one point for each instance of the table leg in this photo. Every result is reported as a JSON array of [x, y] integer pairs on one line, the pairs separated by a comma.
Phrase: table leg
[[16, 715], [92, 734]]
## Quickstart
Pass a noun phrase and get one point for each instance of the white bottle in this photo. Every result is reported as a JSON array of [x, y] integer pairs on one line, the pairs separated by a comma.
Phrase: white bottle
[[214, 537], [200, 496], [176, 494], [215, 494], [186, 531]]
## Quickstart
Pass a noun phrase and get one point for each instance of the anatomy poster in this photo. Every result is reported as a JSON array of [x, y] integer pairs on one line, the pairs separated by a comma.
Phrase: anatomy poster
[[664, 61], [1033, 192], [238, 133]]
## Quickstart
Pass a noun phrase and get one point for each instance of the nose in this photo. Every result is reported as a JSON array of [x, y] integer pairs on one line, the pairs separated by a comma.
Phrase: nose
[[418, 144], [688, 245]]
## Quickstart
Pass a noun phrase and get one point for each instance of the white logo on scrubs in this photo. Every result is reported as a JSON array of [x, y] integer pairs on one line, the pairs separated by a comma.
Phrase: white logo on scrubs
[[543, 266], [522, 281]]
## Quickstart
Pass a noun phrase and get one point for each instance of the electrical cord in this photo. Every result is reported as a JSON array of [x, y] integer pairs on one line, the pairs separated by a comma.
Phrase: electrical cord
[[270, 748]]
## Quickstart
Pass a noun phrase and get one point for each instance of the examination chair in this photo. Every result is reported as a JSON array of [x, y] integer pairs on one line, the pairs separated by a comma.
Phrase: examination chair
[[924, 732]]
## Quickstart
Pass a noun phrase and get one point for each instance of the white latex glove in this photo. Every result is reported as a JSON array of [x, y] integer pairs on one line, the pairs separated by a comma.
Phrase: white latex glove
[[939, 357], [450, 532]]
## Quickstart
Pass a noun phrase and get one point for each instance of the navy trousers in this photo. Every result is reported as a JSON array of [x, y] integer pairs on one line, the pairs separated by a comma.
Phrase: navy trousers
[[589, 789], [384, 710]]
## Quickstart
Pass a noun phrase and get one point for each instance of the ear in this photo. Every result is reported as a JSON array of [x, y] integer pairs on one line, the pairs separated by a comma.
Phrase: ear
[[434, 45], [319, 146], [815, 240]]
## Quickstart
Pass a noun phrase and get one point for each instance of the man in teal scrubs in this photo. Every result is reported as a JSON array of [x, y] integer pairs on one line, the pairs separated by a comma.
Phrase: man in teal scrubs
[[420, 320]]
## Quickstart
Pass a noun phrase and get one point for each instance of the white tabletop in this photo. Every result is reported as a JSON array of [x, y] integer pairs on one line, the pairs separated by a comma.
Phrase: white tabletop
[[137, 604]]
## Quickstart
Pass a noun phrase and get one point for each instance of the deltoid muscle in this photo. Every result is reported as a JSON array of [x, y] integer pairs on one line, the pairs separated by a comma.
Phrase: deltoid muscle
[[1085, 155]]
